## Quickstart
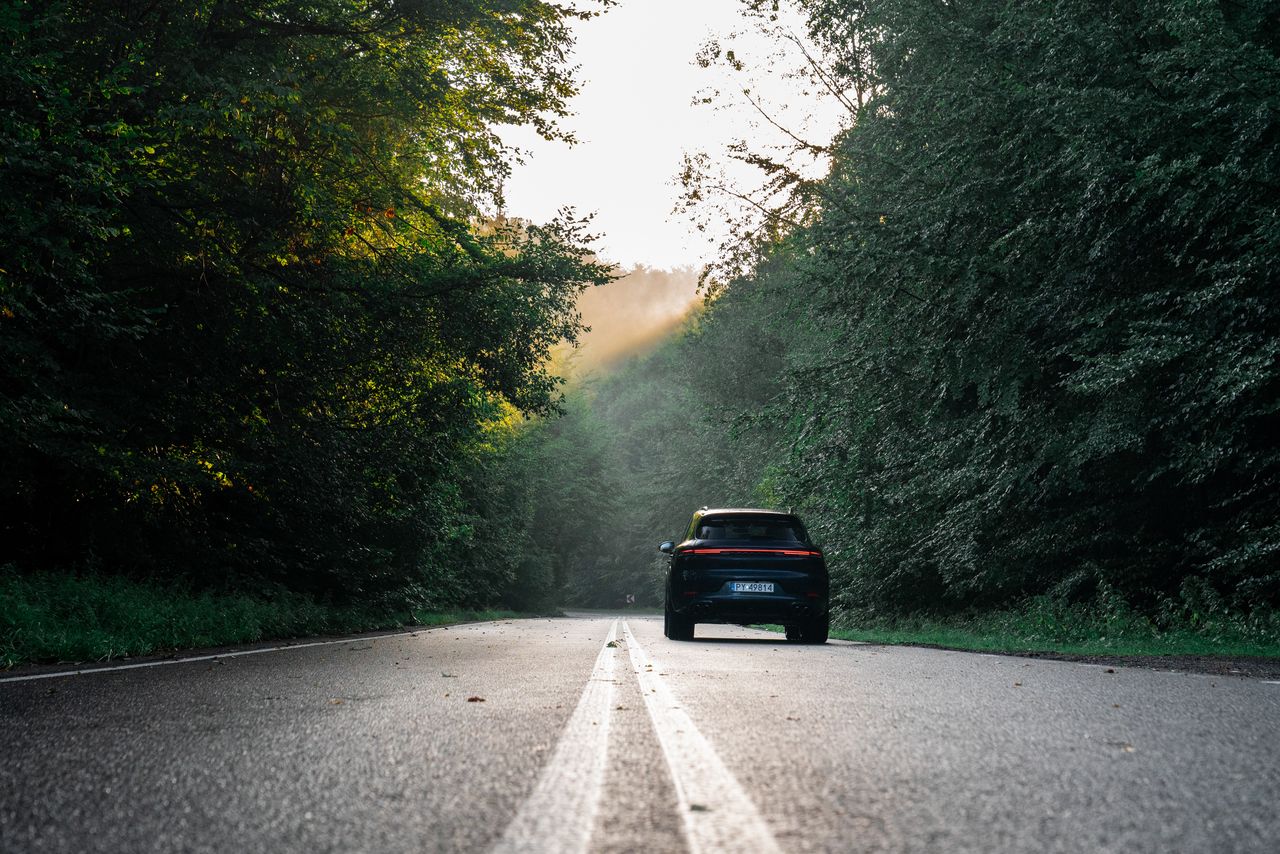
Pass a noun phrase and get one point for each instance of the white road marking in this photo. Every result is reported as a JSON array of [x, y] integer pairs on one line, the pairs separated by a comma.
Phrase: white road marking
[[558, 816], [717, 813], [88, 671], [1269, 682]]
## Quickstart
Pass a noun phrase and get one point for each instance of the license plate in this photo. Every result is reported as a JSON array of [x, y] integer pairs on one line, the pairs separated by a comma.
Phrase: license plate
[[751, 586]]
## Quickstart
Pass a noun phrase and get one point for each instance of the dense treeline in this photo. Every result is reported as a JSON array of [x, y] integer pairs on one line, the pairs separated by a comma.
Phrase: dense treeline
[[256, 332], [252, 333], [1022, 340]]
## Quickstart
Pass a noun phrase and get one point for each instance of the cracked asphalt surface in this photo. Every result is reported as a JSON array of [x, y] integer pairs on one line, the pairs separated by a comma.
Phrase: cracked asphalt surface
[[375, 744]]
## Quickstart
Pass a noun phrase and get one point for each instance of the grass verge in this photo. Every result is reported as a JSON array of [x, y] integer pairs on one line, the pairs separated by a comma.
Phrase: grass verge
[[64, 618], [1105, 628]]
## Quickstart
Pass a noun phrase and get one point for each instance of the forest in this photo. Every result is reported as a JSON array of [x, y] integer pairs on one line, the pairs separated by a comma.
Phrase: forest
[[1019, 342], [262, 335], [258, 334]]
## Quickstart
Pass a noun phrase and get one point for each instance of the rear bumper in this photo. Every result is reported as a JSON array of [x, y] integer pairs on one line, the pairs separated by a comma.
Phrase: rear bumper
[[748, 608]]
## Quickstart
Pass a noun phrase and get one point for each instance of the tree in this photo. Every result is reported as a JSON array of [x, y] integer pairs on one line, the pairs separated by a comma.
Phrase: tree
[[249, 330], [1023, 340]]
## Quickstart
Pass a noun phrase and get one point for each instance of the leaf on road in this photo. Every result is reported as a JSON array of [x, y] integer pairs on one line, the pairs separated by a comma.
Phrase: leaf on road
[[612, 644], [475, 699], [336, 702], [1109, 670]]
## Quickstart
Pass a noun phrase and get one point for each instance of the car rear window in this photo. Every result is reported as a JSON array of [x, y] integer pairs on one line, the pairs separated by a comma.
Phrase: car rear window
[[749, 528]]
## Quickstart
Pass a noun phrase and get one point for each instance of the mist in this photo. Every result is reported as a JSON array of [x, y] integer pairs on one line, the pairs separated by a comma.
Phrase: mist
[[629, 315]]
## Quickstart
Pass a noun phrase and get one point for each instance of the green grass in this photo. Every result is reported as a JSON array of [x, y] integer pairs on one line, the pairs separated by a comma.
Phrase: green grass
[[62, 617], [1103, 629]]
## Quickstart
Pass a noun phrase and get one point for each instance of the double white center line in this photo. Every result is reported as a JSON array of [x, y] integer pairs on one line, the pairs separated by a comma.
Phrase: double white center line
[[715, 811], [559, 814]]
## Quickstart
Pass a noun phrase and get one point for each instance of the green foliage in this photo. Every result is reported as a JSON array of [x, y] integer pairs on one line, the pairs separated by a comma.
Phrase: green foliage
[[1108, 626], [1024, 343], [543, 498], [61, 617], [1043, 265], [255, 330], [250, 330]]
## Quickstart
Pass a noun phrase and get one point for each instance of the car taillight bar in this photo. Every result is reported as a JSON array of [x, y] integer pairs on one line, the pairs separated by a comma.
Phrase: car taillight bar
[[804, 552]]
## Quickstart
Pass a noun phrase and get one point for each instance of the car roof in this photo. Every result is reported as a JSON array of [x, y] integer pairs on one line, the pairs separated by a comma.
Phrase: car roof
[[743, 511]]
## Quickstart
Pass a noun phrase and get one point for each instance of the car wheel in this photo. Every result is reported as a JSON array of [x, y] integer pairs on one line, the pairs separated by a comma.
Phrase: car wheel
[[793, 633], [817, 630], [679, 628], [666, 619]]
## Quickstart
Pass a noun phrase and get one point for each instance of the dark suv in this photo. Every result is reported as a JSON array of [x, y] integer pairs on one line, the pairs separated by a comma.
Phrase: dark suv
[[744, 567]]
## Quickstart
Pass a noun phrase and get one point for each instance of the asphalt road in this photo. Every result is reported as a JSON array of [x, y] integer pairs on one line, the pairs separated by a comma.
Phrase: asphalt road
[[539, 735]]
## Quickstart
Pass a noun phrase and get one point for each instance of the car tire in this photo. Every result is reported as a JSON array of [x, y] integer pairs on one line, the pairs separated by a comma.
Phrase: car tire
[[793, 633], [679, 628], [817, 630], [674, 626]]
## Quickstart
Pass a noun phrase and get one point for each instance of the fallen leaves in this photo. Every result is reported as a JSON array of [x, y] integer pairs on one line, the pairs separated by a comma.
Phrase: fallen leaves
[[475, 699]]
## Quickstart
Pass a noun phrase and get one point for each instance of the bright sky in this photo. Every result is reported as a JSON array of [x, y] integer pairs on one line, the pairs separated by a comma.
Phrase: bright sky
[[635, 118]]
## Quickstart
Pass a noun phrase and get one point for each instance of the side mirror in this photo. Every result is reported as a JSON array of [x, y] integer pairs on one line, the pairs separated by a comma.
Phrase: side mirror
[[667, 547]]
